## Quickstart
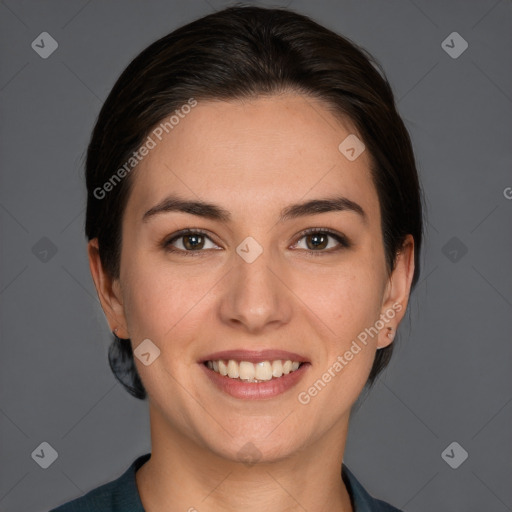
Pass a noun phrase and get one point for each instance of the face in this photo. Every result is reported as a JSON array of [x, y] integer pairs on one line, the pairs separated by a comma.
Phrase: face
[[251, 284]]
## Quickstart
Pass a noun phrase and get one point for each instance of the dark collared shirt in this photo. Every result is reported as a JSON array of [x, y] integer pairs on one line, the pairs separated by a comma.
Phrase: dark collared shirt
[[122, 495]]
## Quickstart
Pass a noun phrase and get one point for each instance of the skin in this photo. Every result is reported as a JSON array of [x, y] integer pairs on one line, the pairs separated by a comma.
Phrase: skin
[[252, 158]]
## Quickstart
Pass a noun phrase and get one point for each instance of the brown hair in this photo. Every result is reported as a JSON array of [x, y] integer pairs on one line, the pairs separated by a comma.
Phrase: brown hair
[[243, 52]]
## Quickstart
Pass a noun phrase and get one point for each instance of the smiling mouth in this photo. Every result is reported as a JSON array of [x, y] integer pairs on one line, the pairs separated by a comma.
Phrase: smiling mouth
[[247, 371]]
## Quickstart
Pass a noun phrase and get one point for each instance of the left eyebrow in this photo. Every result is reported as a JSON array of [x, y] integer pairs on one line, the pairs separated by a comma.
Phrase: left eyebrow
[[215, 212], [316, 206]]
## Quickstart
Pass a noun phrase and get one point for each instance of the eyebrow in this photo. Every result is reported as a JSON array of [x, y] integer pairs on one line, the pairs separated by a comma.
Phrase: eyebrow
[[214, 212]]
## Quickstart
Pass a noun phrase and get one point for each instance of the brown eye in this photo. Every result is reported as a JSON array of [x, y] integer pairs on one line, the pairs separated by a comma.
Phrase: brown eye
[[317, 241], [188, 241], [193, 242]]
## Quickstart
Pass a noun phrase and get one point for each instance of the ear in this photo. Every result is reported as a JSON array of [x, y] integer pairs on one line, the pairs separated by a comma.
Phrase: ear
[[109, 291], [396, 295]]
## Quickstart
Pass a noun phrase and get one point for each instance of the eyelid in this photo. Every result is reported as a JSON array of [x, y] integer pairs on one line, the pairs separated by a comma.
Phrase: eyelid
[[167, 241], [342, 240]]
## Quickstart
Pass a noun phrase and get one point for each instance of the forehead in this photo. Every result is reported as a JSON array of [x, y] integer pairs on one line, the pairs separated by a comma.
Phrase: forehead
[[266, 150]]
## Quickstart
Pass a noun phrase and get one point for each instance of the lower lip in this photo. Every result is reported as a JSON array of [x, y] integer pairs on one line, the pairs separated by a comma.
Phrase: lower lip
[[256, 390]]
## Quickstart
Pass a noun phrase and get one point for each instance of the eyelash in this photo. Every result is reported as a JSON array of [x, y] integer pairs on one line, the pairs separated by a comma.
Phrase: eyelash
[[341, 239]]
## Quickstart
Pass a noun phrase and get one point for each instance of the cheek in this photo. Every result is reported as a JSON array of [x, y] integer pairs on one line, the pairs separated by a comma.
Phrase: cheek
[[348, 299], [159, 299], [348, 305], [162, 305]]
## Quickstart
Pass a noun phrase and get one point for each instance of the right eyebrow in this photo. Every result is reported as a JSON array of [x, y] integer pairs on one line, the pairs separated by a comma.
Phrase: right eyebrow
[[200, 208]]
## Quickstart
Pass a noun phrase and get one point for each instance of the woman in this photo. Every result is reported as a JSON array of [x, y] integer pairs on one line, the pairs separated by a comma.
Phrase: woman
[[254, 223]]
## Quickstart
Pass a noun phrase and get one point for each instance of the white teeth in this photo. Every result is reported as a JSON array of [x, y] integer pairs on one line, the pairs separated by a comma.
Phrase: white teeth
[[223, 368], [258, 372], [233, 369], [277, 368], [263, 371], [246, 370], [287, 367]]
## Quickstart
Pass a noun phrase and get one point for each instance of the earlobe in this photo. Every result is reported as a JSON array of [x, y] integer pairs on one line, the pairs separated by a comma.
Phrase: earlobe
[[108, 291], [397, 293]]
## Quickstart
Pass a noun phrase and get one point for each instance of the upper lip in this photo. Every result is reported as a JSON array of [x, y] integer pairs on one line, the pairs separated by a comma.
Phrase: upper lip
[[254, 356]]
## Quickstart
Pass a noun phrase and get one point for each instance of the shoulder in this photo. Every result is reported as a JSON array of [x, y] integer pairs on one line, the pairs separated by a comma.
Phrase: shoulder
[[362, 501], [118, 495], [101, 498]]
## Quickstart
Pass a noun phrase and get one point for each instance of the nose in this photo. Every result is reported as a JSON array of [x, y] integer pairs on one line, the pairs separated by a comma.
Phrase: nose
[[255, 296]]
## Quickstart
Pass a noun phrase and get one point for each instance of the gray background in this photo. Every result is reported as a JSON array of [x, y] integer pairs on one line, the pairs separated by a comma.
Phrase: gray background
[[450, 379]]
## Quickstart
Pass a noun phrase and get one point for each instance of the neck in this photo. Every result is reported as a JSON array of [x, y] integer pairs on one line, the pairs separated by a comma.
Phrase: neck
[[183, 475]]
